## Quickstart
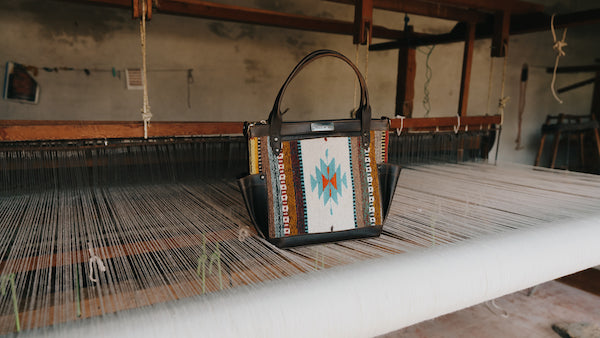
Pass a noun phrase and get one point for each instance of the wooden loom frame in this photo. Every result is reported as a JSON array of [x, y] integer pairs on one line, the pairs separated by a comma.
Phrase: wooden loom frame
[[39, 130]]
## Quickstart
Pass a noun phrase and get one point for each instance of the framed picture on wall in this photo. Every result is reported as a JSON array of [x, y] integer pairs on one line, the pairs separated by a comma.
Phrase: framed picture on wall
[[20, 85]]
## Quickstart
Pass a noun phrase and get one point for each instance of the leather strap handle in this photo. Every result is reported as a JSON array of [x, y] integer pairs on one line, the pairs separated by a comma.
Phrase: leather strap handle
[[363, 113]]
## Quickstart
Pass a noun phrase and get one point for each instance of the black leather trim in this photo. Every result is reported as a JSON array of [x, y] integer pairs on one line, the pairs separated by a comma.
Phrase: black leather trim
[[254, 191], [388, 180], [302, 129], [326, 237]]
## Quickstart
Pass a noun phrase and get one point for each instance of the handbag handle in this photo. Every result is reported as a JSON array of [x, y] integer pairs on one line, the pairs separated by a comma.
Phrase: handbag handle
[[363, 113]]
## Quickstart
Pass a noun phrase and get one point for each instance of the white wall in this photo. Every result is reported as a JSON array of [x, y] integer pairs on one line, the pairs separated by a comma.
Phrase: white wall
[[238, 68]]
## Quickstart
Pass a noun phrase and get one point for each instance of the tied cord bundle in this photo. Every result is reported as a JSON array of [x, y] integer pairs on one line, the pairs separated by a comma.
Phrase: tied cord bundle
[[172, 239]]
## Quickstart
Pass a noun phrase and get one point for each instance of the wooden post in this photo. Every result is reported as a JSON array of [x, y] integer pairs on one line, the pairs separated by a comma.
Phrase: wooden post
[[596, 98], [501, 33], [137, 8], [561, 118], [405, 81], [363, 21], [466, 71]]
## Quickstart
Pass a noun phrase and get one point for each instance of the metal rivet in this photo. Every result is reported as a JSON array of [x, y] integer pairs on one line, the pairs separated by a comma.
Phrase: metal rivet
[[275, 139], [277, 150], [262, 177]]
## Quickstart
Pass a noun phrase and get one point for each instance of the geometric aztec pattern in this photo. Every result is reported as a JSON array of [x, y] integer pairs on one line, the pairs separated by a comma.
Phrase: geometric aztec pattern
[[328, 180]]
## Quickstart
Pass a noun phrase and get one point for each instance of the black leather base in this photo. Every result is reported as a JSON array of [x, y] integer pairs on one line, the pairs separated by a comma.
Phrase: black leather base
[[326, 237], [254, 190]]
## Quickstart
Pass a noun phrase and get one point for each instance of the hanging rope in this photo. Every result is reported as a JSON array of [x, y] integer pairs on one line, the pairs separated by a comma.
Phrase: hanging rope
[[190, 81], [489, 94], [492, 306], [457, 126], [503, 99], [399, 130], [146, 114], [428, 76], [558, 48]]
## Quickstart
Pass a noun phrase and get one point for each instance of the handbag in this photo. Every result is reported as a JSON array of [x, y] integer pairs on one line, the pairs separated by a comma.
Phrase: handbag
[[318, 181]]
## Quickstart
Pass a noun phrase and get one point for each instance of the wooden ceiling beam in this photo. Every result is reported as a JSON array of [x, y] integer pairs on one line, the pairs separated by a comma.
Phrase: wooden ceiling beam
[[519, 24], [514, 6], [501, 33], [419, 7], [363, 21], [575, 69], [209, 10], [46, 130]]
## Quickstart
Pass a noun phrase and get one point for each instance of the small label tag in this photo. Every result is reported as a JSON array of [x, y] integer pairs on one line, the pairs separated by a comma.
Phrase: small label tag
[[322, 126]]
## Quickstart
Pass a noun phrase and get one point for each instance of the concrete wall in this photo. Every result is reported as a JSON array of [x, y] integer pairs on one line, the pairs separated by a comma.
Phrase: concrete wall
[[238, 68]]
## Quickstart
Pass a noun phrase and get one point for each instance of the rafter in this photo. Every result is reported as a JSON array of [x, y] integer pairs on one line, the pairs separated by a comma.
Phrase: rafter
[[210, 10], [519, 24], [514, 6], [424, 8]]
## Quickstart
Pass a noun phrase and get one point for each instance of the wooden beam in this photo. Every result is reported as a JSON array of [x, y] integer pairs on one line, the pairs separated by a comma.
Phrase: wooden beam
[[405, 80], [209, 10], [474, 122], [514, 6], [465, 79], [596, 100], [536, 22], [575, 69], [425, 8], [577, 85], [40, 130], [24, 130], [363, 22], [586, 280], [137, 8], [519, 24], [501, 33]]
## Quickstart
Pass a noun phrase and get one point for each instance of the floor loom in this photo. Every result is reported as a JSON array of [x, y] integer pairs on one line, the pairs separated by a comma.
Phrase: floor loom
[[104, 233]]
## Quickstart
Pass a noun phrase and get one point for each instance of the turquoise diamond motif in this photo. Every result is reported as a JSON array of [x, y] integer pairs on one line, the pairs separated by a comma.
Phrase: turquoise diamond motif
[[328, 181]]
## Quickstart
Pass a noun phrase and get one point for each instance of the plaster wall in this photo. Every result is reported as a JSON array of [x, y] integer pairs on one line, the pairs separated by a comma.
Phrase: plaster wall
[[238, 68]]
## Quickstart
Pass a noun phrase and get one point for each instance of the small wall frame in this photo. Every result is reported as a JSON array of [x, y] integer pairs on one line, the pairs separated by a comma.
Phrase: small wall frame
[[20, 85]]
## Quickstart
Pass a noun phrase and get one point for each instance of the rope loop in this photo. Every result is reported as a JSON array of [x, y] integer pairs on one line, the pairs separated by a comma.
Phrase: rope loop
[[457, 126], [95, 259], [557, 46], [243, 233], [399, 131]]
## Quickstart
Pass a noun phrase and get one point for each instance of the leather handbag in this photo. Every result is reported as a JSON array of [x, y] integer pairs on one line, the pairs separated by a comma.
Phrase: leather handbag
[[318, 181]]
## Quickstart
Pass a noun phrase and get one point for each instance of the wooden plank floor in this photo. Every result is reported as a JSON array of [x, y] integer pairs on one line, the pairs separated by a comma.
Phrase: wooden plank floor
[[528, 316]]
